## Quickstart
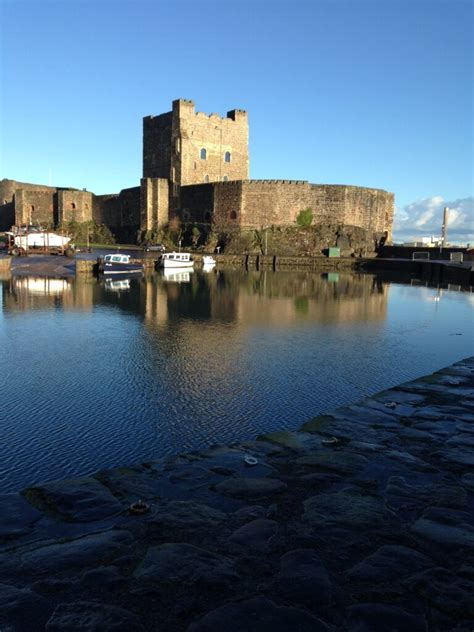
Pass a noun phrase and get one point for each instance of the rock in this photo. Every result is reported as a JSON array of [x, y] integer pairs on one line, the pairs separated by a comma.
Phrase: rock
[[83, 552], [304, 579], [103, 577], [17, 516], [187, 515], [345, 508], [257, 615], [389, 563], [374, 617], [18, 607], [449, 593], [256, 534], [185, 563], [340, 462], [293, 440], [80, 500], [252, 512], [468, 481], [89, 616], [250, 487], [445, 529]]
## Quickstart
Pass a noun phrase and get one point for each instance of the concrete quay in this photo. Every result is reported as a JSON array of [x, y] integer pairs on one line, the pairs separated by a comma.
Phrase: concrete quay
[[362, 520]]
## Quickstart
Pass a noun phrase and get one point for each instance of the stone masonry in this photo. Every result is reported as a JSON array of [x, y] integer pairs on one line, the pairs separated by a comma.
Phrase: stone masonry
[[196, 168]]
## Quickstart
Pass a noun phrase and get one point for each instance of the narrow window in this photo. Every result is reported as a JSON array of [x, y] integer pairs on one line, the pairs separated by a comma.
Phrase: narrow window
[[227, 156], [206, 178], [32, 208], [203, 154], [226, 178], [233, 215], [73, 206]]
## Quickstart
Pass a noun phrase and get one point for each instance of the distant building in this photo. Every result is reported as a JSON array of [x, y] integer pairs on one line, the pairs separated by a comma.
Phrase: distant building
[[196, 168]]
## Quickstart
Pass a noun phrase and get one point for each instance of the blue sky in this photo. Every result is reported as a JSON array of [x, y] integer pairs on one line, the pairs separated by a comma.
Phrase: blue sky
[[373, 93]]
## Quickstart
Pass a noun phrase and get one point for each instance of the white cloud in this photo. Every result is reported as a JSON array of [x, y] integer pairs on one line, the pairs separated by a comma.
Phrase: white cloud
[[424, 218]]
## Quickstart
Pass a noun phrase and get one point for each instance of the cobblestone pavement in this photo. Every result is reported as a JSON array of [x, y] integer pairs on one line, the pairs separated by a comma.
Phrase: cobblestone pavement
[[362, 520]]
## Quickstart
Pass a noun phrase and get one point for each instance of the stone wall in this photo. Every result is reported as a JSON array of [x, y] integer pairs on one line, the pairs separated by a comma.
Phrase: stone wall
[[190, 147], [157, 146], [208, 148], [74, 206], [153, 203], [261, 203], [17, 209], [34, 207]]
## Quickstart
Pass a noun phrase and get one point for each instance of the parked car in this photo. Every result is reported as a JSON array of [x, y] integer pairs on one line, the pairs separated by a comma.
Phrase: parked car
[[154, 248]]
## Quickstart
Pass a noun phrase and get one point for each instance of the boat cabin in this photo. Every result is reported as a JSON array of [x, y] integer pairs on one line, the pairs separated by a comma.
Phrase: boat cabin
[[117, 259], [177, 256]]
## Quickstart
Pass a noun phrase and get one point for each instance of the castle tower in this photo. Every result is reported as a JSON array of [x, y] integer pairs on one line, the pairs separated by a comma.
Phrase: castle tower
[[189, 147]]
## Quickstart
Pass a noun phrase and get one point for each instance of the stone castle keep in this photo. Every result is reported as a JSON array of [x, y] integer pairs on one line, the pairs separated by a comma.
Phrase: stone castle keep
[[196, 168]]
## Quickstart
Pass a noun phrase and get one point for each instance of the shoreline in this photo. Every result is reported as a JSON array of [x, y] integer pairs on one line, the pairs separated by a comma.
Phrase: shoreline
[[362, 517]]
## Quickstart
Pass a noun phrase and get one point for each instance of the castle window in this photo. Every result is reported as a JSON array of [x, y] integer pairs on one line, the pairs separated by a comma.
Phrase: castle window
[[206, 178], [233, 215], [226, 178], [227, 156], [203, 154], [86, 206], [32, 208], [73, 206], [195, 164]]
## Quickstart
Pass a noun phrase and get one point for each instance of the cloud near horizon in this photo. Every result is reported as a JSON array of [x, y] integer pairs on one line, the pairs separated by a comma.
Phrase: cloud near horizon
[[424, 218]]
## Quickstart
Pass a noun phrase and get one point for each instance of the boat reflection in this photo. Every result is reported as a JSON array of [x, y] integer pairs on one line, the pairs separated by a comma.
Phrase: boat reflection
[[181, 275], [117, 285]]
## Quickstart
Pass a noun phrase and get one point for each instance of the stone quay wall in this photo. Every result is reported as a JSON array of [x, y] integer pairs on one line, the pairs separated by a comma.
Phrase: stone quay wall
[[360, 520]]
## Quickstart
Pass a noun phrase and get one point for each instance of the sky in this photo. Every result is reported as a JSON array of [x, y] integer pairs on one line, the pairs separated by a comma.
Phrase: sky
[[374, 93]]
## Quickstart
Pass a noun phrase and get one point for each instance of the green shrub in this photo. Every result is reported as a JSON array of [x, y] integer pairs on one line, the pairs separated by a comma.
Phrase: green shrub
[[304, 218]]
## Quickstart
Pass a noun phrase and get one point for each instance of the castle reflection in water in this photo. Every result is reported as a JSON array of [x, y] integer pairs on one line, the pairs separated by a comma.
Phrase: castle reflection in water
[[244, 299]]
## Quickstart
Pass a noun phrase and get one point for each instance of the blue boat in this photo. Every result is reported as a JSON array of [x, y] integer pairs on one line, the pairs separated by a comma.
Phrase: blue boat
[[118, 264]]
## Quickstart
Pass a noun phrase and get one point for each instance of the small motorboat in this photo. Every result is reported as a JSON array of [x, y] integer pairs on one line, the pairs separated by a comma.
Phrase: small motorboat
[[118, 264], [175, 260], [208, 261]]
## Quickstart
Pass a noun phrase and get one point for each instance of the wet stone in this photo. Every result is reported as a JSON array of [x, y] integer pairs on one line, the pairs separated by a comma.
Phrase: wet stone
[[103, 577], [452, 594], [250, 487], [83, 552], [252, 512], [293, 440], [304, 579], [345, 508], [185, 563], [17, 516], [18, 607], [374, 617], [468, 481], [445, 528], [186, 514], [79, 500], [340, 462], [389, 563], [86, 616], [256, 534], [258, 615]]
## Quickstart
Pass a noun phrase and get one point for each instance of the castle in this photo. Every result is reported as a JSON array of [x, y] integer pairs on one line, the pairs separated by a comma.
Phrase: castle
[[196, 168]]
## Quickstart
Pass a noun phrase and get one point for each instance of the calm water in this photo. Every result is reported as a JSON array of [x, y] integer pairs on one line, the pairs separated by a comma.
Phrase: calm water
[[97, 375]]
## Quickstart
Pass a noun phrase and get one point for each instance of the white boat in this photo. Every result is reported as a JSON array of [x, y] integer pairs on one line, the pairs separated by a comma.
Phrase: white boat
[[176, 260], [208, 261]]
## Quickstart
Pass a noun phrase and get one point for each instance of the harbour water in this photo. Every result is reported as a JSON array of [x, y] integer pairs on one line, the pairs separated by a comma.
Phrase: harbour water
[[100, 374]]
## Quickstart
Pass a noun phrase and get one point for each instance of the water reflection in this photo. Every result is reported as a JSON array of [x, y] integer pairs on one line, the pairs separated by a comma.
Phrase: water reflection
[[257, 297], [127, 370]]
